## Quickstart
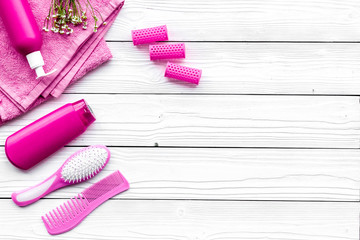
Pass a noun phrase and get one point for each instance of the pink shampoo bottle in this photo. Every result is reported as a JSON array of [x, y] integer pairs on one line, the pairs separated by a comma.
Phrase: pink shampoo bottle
[[23, 32], [40, 139]]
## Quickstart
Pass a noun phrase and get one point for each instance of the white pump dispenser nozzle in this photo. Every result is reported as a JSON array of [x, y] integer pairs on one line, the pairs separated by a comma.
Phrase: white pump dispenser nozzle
[[36, 62]]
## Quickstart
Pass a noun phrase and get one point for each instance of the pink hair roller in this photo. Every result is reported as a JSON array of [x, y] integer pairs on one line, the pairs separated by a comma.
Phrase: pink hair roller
[[183, 73], [166, 51], [149, 35]]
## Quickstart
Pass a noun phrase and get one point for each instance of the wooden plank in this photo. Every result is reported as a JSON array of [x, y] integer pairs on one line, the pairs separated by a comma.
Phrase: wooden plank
[[138, 219], [233, 68], [213, 121], [188, 173], [235, 20]]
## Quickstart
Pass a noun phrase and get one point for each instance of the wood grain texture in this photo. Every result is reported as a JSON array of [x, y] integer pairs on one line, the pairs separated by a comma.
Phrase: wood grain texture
[[223, 142], [234, 20], [213, 121], [180, 220], [212, 174], [233, 68]]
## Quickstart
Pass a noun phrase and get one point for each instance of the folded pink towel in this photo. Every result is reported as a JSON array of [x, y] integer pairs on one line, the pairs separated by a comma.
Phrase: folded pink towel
[[72, 55]]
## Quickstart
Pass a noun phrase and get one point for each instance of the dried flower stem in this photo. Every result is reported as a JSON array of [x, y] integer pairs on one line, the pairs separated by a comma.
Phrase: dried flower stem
[[62, 13]]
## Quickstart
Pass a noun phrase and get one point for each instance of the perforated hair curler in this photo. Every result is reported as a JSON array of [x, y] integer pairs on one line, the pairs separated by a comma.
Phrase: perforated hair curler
[[149, 35], [183, 73], [167, 51]]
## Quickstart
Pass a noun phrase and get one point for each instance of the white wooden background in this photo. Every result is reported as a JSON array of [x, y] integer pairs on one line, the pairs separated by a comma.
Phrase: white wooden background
[[266, 147]]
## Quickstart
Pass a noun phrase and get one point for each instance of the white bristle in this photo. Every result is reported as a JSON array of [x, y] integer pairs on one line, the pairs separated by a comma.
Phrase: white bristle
[[84, 164]]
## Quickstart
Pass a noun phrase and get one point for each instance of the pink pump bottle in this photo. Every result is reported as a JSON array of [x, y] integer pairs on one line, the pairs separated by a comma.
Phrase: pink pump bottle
[[23, 32], [40, 139]]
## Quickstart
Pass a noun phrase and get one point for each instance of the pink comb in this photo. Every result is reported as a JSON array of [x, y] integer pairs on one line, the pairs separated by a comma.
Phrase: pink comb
[[149, 35], [183, 73], [80, 166], [70, 214], [166, 51]]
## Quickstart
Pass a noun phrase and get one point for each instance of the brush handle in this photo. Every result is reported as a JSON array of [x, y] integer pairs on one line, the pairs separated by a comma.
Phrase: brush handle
[[32, 194]]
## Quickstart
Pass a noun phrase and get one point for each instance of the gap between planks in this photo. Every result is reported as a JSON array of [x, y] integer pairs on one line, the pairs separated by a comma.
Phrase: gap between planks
[[261, 20], [232, 69], [193, 220], [216, 174], [213, 121], [234, 41], [201, 200]]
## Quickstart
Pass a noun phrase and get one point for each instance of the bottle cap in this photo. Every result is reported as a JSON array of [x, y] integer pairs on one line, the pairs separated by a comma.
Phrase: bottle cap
[[166, 51], [36, 62], [84, 111]]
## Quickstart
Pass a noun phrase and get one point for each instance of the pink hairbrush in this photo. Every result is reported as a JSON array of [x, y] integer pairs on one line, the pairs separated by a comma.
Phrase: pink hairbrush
[[149, 35], [166, 51], [183, 73], [70, 214], [79, 167]]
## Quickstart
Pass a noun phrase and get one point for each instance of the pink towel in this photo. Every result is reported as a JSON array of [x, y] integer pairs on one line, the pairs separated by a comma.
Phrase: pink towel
[[72, 55]]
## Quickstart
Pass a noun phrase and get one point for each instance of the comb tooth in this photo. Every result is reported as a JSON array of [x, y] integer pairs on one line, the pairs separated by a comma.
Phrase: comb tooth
[[46, 220], [69, 211], [57, 218], [50, 220], [78, 210], [73, 211], [62, 216], [57, 215], [55, 222], [64, 211], [104, 186], [83, 200], [78, 204], [81, 204], [47, 225]]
